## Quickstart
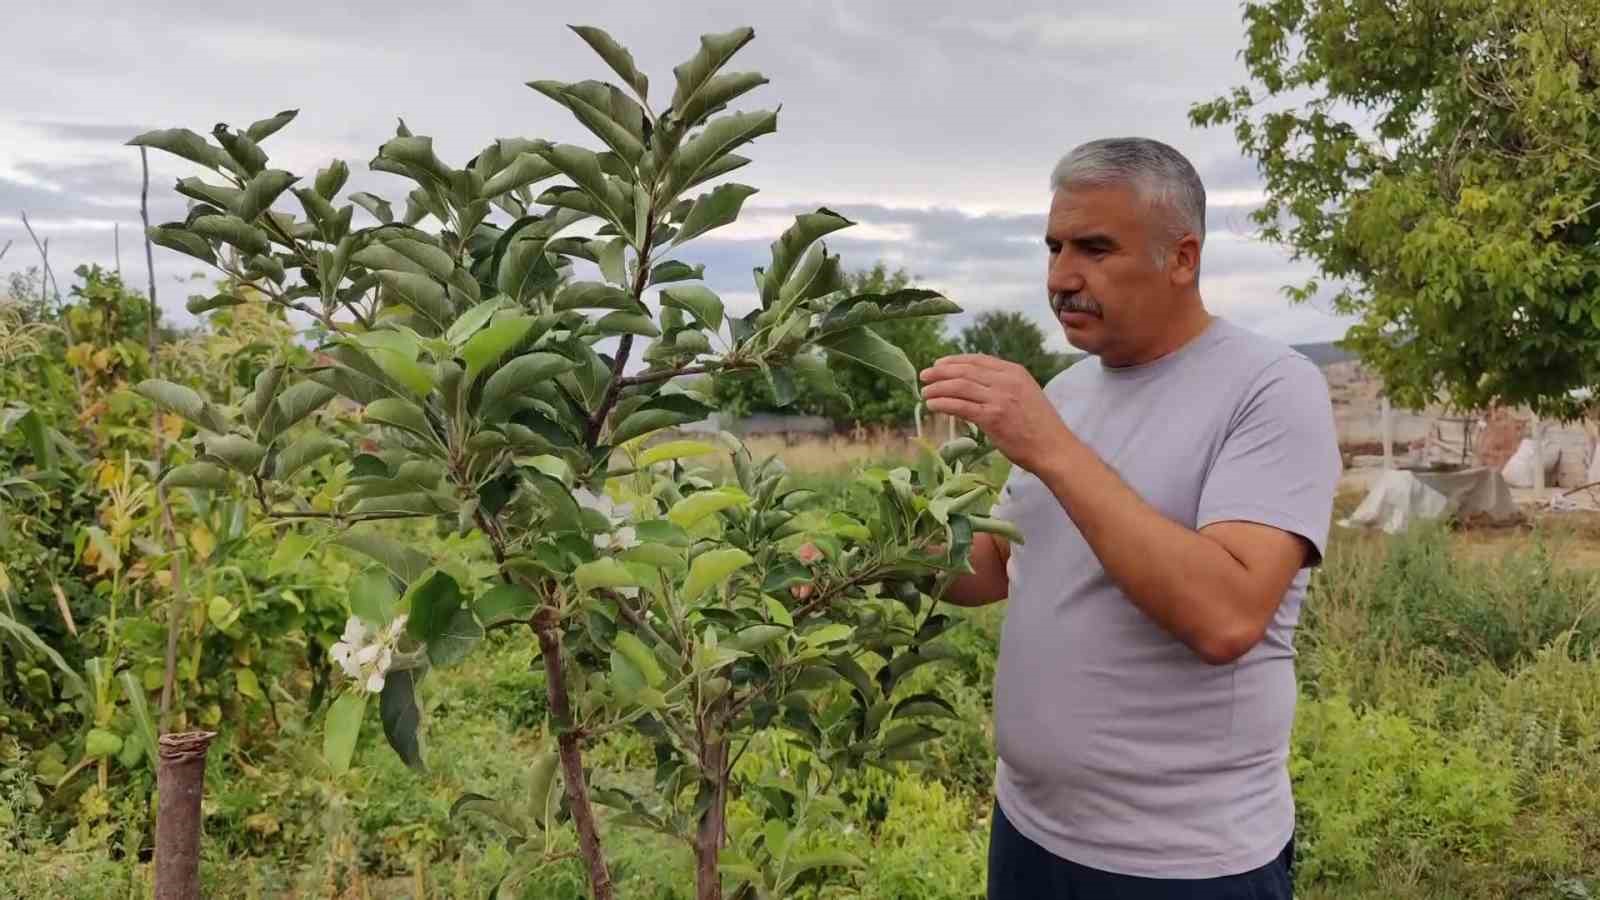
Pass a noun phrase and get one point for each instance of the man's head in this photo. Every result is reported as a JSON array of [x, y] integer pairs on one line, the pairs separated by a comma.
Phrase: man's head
[[1126, 226]]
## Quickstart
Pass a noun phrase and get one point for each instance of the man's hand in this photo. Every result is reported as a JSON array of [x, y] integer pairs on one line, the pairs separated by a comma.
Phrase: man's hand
[[1002, 399]]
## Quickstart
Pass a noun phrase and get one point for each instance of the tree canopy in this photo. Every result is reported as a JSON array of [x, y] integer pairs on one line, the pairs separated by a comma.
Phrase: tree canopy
[[1437, 161]]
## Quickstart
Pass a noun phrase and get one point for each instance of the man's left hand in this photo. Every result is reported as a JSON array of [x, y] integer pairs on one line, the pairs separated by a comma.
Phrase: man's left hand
[[1002, 399]]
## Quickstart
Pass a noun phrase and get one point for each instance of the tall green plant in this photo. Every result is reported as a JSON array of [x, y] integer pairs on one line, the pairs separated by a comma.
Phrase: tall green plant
[[499, 399]]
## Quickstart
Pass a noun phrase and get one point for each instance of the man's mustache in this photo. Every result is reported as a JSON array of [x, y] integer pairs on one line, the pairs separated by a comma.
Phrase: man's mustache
[[1079, 302]]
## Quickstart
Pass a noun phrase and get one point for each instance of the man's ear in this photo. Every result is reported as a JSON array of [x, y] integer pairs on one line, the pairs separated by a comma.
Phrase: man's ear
[[1183, 261]]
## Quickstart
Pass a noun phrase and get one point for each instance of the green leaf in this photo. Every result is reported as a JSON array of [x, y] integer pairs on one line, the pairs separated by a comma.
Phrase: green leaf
[[1000, 527], [713, 569], [642, 658], [330, 180], [604, 573], [506, 603], [265, 187], [754, 638], [717, 169], [583, 167], [248, 159], [524, 269], [715, 94], [379, 207], [516, 378], [407, 564], [303, 452], [293, 406], [413, 156], [201, 475], [460, 635], [528, 168], [593, 295], [34, 432], [140, 706], [696, 300], [431, 604], [791, 246], [657, 555], [488, 346], [31, 641], [472, 320], [927, 705], [175, 237], [693, 75], [713, 210], [605, 111], [719, 138], [183, 401], [402, 414], [264, 128], [627, 323], [239, 453], [101, 743], [868, 348], [674, 450], [184, 143], [341, 729], [373, 598], [903, 737], [405, 255], [626, 677], [673, 270], [691, 509], [616, 56], [232, 230], [613, 262], [663, 411], [822, 859], [828, 634], [397, 706], [200, 303], [541, 782], [420, 292], [487, 806], [865, 308], [220, 196]]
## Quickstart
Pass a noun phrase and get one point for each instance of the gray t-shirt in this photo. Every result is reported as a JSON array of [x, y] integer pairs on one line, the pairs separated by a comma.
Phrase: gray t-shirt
[[1120, 749]]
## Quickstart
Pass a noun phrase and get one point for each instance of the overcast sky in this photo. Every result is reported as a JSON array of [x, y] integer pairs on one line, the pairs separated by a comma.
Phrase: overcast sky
[[932, 124]]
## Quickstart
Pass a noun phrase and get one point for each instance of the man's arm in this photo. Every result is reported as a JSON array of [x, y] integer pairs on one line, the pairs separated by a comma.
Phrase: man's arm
[[987, 582], [1215, 588]]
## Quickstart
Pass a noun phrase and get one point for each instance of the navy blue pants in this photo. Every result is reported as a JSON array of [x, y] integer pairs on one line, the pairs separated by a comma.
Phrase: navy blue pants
[[1019, 869]]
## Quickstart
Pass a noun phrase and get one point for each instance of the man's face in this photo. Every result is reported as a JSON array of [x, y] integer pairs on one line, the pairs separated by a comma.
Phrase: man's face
[[1105, 287]]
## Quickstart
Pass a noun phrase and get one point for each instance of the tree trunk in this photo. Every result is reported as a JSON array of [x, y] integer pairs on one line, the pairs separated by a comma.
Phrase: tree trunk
[[577, 786], [710, 837], [180, 783]]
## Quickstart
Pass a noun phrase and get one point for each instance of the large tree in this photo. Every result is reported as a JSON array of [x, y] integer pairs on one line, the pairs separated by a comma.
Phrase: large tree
[[1437, 160], [1014, 337]]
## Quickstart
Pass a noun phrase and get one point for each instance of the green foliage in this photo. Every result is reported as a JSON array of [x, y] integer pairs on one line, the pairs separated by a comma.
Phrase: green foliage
[[854, 392], [1444, 181]]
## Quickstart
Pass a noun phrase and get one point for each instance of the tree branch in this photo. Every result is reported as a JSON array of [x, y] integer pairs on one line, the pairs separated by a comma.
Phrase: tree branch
[[598, 420], [169, 532]]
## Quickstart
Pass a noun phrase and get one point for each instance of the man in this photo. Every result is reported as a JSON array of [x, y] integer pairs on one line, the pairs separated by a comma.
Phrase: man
[[1173, 491]]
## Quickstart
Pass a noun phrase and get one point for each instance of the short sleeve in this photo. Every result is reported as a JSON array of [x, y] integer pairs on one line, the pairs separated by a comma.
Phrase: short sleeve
[[1279, 462]]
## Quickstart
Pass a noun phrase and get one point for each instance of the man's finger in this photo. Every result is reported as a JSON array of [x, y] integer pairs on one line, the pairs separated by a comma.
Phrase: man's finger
[[957, 387], [942, 370], [954, 406]]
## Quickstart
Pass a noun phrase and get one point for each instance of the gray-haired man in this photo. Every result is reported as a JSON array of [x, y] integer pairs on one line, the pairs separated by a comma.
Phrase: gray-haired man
[[1174, 490]]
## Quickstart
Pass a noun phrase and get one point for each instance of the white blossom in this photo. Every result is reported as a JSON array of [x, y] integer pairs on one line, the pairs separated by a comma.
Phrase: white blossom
[[620, 536], [366, 654]]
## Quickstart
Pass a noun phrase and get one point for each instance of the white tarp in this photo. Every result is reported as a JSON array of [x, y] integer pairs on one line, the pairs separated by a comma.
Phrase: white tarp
[[1400, 498], [1518, 470]]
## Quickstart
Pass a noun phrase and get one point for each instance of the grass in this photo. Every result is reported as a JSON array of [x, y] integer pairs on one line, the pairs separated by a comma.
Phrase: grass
[[1447, 745]]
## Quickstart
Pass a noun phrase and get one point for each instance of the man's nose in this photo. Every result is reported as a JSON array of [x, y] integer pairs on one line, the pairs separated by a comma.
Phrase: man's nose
[[1064, 277]]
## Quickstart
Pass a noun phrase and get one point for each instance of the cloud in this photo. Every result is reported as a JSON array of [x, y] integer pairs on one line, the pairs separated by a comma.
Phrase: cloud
[[932, 123]]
